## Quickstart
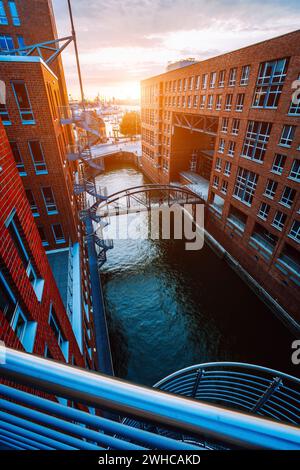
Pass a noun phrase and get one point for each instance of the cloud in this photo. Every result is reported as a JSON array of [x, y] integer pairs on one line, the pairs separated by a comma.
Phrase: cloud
[[139, 37]]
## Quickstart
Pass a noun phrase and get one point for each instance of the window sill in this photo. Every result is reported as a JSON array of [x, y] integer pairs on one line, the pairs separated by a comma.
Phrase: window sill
[[52, 212], [35, 215], [60, 242], [42, 172], [277, 228], [22, 173], [28, 123], [293, 238], [260, 162], [284, 146], [243, 202], [268, 196], [6, 123]]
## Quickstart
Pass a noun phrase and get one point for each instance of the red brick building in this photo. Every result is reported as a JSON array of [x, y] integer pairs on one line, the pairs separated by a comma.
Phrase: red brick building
[[227, 126], [35, 96], [32, 313]]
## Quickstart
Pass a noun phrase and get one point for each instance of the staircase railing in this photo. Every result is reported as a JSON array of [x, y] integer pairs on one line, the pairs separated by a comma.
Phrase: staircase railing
[[52, 424]]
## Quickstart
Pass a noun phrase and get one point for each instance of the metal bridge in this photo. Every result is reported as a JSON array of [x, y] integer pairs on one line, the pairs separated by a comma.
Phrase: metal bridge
[[146, 197], [199, 408]]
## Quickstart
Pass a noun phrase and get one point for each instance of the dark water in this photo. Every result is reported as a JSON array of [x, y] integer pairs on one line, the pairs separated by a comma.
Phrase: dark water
[[169, 308]]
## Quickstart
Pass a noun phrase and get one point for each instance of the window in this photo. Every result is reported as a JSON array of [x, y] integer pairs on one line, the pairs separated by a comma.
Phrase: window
[[189, 102], [271, 188], [295, 107], [174, 86], [245, 75], [271, 77], [224, 187], [204, 81], [256, 140], [232, 77], [14, 13], [202, 102], [49, 200], [295, 231], [197, 82], [6, 43], [240, 102], [219, 102], [213, 78], [18, 158], [191, 83], [185, 84], [196, 100], [23, 102], [21, 43], [245, 185], [235, 126], [210, 101], [37, 156], [178, 101], [227, 169], [218, 166], [278, 164], [288, 196], [225, 122], [279, 220], [58, 234], [221, 145], [183, 102], [43, 236], [61, 341], [216, 182], [295, 170], [264, 211], [222, 78], [228, 102], [32, 203], [287, 136], [231, 148], [7, 299], [180, 85], [3, 17], [15, 230], [4, 115]]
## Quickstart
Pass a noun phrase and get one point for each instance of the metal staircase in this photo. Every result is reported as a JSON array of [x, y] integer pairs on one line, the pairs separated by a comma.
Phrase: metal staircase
[[183, 412], [86, 121], [96, 195]]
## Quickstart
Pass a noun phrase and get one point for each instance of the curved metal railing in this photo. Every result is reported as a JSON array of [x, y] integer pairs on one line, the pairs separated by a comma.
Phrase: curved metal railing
[[244, 387]]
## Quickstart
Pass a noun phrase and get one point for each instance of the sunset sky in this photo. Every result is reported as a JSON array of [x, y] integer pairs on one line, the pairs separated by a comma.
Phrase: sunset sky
[[123, 41]]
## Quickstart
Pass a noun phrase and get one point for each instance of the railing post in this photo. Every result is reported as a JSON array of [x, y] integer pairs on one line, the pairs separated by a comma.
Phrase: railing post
[[199, 375], [275, 385]]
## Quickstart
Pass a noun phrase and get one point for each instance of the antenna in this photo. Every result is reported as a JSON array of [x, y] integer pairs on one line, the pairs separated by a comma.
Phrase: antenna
[[76, 54]]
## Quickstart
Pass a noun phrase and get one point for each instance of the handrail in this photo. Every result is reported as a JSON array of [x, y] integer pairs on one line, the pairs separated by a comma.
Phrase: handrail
[[171, 411]]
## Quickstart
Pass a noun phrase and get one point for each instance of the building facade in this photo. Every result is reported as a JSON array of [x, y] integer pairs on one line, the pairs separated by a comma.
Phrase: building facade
[[229, 127], [36, 98], [32, 314]]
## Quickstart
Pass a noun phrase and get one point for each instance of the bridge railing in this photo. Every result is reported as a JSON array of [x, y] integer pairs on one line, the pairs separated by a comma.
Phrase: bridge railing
[[122, 399]]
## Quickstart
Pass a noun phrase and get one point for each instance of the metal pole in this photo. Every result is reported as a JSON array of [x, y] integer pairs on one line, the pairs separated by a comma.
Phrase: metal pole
[[76, 54]]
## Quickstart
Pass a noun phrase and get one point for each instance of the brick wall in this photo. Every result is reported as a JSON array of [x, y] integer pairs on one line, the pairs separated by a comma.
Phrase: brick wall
[[12, 197]]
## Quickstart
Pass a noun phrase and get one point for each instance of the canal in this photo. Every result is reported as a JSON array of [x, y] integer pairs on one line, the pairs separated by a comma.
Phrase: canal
[[168, 308]]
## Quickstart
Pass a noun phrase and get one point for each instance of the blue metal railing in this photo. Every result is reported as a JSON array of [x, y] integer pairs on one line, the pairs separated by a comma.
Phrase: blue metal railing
[[167, 421], [245, 387]]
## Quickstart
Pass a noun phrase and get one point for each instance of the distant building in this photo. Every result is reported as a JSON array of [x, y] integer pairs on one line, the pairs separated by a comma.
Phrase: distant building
[[227, 126]]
